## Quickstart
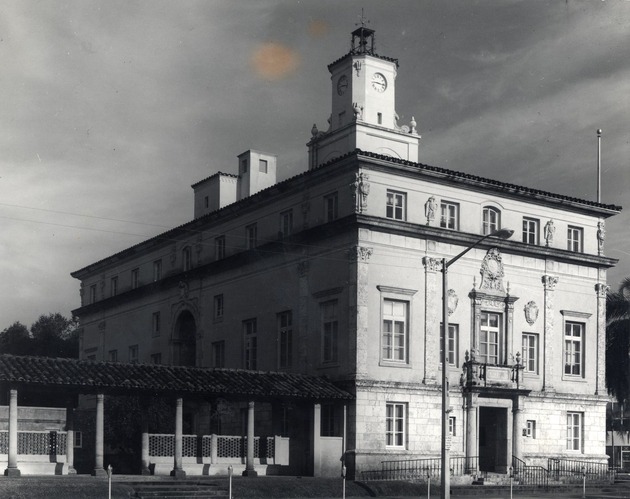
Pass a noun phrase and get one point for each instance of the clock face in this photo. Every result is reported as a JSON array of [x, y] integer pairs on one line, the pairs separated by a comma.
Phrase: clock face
[[342, 85], [379, 83]]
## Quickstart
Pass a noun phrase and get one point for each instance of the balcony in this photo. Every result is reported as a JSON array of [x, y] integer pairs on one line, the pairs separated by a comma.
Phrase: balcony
[[477, 374]]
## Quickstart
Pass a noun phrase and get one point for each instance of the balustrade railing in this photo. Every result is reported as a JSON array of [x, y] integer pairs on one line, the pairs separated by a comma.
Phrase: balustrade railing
[[573, 470], [525, 474], [209, 446], [36, 443], [416, 469]]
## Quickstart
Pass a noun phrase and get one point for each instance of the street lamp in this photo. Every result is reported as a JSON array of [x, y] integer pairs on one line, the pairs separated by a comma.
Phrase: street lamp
[[445, 470]]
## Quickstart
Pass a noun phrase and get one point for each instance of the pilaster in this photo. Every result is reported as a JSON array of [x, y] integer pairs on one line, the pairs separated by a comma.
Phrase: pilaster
[[433, 308], [302, 319], [600, 383], [359, 257], [549, 353]]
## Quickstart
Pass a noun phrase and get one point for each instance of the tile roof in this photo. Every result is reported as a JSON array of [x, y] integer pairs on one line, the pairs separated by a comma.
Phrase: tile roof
[[85, 376]]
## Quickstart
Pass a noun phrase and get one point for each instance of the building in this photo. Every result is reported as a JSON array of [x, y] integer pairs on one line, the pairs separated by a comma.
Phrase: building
[[336, 272]]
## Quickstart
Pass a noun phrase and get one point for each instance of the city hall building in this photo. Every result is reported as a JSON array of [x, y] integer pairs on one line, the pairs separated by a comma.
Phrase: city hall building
[[336, 273]]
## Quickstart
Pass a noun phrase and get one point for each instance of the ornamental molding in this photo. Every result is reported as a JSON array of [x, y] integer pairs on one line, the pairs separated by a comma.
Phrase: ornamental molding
[[531, 312], [396, 291], [359, 254], [602, 289], [574, 313], [492, 272], [549, 282], [432, 264], [327, 292]]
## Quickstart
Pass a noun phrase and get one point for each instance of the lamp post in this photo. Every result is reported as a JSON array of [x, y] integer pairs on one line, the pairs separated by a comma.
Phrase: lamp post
[[445, 461]]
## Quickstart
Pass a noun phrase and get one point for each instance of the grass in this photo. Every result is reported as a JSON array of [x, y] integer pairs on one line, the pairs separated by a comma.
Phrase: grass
[[75, 487]]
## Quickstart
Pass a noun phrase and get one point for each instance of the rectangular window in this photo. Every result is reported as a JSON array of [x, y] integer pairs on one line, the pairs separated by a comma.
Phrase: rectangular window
[[113, 286], [395, 425], [573, 348], [133, 354], [574, 239], [218, 307], [490, 338], [206, 202], [396, 205], [330, 207], [285, 339], [286, 223], [78, 439], [135, 278], [530, 230], [244, 166], [530, 353], [157, 270], [379, 118], [530, 429], [93, 293], [187, 258], [156, 358], [449, 215], [112, 356], [218, 354], [156, 324], [252, 236], [219, 247], [453, 343], [330, 331], [574, 431], [491, 220], [262, 166], [452, 426], [330, 423], [395, 330], [250, 343]]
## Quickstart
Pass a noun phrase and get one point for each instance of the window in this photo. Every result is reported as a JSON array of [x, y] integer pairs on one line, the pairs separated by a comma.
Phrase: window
[[93, 293], [135, 278], [452, 426], [342, 118], [186, 258], [396, 205], [330, 426], [574, 239], [286, 223], [530, 230], [156, 358], [262, 166], [133, 354], [219, 247], [218, 354], [218, 307], [250, 343], [530, 353], [252, 236], [330, 207], [244, 166], [449, 215], [574, 430], [491, 220], [330, 331], [530, 429], [113, 286], [379, 118], [453, 343], [490, 338], [156, 324], [112, 356], [285, 339], [157, 270], [78, 439], [206, 202], [395, 330], [573, 351], [395, 425]]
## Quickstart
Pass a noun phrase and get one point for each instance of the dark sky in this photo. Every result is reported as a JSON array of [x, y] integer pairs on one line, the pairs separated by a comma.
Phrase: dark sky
[[112, 109]]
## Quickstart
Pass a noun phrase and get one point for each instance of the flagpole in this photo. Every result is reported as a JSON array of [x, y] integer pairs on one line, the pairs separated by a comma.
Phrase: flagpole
[[599, 165]]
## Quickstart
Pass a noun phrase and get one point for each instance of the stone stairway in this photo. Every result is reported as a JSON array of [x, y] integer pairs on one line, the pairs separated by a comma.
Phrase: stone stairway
[[178, 489]]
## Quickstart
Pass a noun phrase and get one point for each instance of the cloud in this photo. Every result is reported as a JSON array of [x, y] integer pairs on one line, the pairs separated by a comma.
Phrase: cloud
[[274, 61]]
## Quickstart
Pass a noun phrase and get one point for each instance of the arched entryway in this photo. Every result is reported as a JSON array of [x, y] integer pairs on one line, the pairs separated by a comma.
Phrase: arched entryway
[[185, 340]]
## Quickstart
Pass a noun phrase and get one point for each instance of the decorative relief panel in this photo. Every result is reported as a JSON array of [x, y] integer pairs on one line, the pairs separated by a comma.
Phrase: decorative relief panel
[[492, 271], [452, 301], [531, 312]]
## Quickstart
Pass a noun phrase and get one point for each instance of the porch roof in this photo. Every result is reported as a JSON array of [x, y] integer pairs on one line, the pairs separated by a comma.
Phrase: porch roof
[[86, 376]]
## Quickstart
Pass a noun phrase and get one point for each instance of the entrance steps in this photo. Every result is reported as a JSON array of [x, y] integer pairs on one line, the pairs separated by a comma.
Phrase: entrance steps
[[178, 489]]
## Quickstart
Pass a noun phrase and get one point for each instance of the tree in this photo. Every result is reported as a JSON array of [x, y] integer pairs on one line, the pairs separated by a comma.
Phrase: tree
[[55, 336], [15, 339], [618, 342]]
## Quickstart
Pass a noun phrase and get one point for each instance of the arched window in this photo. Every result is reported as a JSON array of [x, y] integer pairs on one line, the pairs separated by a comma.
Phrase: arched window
[[187, 258], [491, 220]]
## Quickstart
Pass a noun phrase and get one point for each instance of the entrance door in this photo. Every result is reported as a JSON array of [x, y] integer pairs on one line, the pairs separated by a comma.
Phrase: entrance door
[[493, 439]]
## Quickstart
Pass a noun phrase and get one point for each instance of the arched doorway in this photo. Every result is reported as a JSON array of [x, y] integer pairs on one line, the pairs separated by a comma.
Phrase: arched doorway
[[185, 340]]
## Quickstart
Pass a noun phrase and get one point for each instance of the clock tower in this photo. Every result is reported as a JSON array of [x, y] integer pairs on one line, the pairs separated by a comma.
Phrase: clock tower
[[363, 107]]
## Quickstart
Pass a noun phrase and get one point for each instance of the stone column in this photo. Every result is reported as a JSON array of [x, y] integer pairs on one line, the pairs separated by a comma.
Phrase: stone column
[[359, 257], [471, 433], [433, 309], [600, 383], [99, 470], [70, 440], [144, 453], [249, 463], [12, 467], [549, 353], [178, 470], [316, 440], [517, 429]]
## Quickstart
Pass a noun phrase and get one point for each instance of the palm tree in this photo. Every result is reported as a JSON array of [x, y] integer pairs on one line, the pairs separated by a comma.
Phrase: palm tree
[[618, 342]]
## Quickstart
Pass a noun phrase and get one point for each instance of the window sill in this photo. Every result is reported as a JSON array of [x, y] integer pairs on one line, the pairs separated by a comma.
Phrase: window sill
[[576, 379], [393, 363]]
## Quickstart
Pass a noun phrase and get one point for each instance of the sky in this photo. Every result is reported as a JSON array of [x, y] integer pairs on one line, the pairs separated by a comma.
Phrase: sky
[[111, 109]]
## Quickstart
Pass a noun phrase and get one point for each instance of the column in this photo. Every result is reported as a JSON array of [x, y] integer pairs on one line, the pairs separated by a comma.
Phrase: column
[[471, 433], [359, 338], [12, 468], [549, 353], [303, 316], [249, 463], [517, 429], [99, 470], [144, 453], [70, 440], [600, 383], [316, 440], [433, 309], [178, 470]]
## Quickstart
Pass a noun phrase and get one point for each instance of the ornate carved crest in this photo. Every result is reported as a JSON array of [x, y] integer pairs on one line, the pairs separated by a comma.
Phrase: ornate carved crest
[[492, 271], [360, 190], [452, 301], [531, 312]]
